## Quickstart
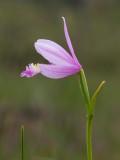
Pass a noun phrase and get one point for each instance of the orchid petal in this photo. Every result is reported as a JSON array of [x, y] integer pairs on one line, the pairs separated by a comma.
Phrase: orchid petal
[[56, 71], [53, 52], [69, 43], [31, 70]]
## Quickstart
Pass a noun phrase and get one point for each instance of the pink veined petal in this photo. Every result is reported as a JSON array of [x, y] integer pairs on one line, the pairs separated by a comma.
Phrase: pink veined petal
[[69, 41], [53, 52], [56, 71]]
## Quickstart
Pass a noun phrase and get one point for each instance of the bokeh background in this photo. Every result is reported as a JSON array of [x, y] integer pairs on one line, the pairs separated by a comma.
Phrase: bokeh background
[[53, 111]]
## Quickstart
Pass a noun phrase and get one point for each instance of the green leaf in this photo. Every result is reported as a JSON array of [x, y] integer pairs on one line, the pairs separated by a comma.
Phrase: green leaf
[[22, 142], [96, 93]]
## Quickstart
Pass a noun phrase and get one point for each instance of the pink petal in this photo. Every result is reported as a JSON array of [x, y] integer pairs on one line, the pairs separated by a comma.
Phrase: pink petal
[[56, 71], [53, 52], [69, 41]]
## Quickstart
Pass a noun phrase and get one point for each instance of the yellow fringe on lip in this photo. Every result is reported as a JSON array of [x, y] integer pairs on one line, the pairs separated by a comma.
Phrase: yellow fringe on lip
[[35, 67]]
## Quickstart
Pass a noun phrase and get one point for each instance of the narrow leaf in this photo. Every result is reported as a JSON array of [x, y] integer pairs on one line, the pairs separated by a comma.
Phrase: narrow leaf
[[22, 142], [97, 91]]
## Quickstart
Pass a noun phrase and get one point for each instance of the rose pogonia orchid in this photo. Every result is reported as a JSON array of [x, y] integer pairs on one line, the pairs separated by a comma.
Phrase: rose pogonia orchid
[[62, 64]]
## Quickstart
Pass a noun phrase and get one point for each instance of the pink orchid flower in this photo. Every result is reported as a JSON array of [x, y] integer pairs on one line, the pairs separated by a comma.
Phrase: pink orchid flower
[[62, 64]]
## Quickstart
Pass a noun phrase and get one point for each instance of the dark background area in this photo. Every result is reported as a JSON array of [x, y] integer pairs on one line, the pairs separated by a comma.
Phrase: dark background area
[[53, 111]]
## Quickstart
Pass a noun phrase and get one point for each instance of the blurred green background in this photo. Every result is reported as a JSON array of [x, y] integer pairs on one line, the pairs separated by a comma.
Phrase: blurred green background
[[53, 111]]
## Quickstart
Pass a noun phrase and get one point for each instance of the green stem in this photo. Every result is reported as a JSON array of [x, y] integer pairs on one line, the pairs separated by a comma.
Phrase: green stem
[[90, 103], [22, 142], [84, 89], [86, 95], [89, 123]]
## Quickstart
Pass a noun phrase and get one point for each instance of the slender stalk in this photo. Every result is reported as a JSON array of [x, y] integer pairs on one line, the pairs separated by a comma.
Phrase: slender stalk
[[84, 89], [90, 103], [22, 142], [89, 122], [86, 95]]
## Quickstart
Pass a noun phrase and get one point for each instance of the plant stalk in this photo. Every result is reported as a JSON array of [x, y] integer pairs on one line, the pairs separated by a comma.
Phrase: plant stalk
[[89, 123], [89, 120], [90, 103]]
